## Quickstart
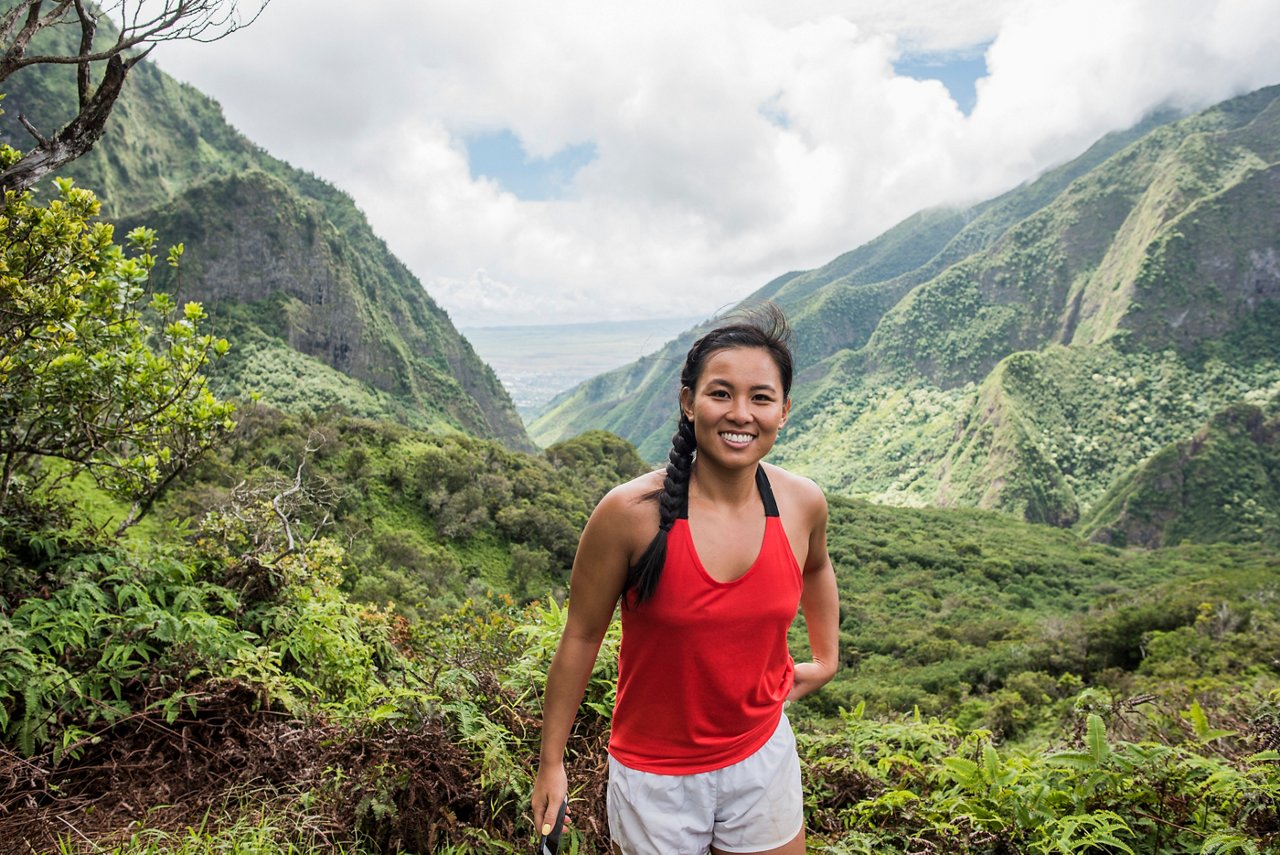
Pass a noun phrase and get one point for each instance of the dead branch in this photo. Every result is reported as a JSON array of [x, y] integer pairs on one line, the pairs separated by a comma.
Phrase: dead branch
[[138, 26]]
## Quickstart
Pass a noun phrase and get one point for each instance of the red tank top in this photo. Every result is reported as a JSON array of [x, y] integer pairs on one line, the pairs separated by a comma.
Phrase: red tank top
[[704, 666]]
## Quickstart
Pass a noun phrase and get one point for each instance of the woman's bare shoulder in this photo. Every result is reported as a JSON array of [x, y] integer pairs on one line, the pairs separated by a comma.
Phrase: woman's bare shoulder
[[622, 524], [631, 502], [797, 490]]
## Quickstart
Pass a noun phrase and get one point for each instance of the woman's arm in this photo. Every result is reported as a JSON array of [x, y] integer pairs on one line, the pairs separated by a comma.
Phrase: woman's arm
[[820, 603], [599, 572]]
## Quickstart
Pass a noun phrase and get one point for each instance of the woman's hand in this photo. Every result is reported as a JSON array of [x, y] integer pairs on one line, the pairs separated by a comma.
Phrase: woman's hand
[[549, 790], [809, 677]]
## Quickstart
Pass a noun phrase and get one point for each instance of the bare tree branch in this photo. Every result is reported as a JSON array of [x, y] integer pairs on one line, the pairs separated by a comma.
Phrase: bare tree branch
[[75, 139], [88, 27], [138, 26], [31, 129]]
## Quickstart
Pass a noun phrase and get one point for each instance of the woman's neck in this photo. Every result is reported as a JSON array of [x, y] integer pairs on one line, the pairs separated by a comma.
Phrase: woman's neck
[[724, 487]]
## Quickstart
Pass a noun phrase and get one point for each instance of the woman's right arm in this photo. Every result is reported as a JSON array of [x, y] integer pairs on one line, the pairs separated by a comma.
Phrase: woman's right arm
[[599, 572]]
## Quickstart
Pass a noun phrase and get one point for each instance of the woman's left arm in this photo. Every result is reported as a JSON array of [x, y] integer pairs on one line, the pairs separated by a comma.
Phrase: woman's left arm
[[821, 606]]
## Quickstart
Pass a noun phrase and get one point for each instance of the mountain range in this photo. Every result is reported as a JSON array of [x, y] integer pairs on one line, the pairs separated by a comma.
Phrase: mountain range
[[1033, 353], [1067, 352]]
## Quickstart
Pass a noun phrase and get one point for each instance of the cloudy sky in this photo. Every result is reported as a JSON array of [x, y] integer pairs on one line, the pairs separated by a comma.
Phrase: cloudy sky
[[544, 161]]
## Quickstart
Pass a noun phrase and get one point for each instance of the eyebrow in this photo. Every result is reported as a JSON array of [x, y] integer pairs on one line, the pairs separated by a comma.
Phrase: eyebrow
[[766, 387]]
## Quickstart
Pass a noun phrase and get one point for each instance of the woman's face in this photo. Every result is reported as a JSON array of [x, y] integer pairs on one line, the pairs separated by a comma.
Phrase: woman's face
[[737, 406]]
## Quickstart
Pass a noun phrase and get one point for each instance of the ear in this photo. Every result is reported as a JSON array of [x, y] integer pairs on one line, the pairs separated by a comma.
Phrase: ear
[[686, 402], [786, 411]]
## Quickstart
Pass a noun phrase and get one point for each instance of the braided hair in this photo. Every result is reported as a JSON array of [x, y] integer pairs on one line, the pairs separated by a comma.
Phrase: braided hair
[[763, 326]]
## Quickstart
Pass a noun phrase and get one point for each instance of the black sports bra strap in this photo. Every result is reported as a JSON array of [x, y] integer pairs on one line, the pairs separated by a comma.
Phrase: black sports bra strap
[[766, 492]]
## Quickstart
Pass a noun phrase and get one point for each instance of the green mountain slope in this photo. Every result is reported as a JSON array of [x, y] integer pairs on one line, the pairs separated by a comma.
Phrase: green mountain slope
[[1023, 354], [1222, 485], [319, 311]]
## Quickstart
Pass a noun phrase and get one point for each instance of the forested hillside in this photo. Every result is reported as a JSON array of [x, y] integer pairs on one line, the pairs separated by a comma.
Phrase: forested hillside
[[1026, 353], [323, 314]]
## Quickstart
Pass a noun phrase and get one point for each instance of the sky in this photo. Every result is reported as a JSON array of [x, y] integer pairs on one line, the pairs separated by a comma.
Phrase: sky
[[553, 161]]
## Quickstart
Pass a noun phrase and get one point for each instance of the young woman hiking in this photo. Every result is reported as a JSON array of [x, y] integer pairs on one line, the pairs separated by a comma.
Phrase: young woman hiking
[[710, 559]]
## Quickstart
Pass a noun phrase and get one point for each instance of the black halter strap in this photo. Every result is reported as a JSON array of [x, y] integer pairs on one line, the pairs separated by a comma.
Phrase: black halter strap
[[766, 492], [762, 484]]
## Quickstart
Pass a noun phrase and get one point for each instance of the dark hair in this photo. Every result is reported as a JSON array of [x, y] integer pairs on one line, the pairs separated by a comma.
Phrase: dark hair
[[763, 326]]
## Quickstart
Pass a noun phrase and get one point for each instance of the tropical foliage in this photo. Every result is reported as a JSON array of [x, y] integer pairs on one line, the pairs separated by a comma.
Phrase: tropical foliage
[[96, 372]]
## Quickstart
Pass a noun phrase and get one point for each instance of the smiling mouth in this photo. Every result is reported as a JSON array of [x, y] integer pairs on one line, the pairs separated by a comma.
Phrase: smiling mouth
[[737, 437]]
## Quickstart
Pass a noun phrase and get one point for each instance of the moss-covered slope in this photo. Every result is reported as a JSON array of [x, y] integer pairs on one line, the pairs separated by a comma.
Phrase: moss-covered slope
[[1221, 485]]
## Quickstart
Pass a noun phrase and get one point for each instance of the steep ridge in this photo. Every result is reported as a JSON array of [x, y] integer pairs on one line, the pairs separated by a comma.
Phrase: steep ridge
[[319, 311], [1027, 353]]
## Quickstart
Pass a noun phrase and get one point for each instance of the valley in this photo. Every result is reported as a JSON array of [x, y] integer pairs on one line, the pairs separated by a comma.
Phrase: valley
[[536, 363]]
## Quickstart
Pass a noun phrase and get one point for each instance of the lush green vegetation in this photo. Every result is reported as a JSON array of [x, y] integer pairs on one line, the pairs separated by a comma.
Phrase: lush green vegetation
[[335, 726], [1221, 485], [332, 635], [96, 375], [995, 622], [228, 620], [428, 519], [1056, 428]]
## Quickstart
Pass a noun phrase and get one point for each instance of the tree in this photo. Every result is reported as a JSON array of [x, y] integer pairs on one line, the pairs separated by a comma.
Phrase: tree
[[93, 370], [135, 26]]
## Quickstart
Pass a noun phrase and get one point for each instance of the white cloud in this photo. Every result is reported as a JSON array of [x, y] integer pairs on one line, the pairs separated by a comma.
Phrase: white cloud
[[735, 140]]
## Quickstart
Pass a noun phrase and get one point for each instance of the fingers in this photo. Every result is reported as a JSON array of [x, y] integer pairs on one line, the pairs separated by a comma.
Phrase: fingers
[[545, 807], [546, 813], [540, 805]]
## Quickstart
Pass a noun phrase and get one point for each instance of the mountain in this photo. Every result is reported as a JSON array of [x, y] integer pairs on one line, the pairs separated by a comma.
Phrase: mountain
[[320, 313], [1026, 353]]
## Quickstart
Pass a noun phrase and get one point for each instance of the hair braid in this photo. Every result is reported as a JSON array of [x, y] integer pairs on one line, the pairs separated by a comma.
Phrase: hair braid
[[642, 579], [675, 487]]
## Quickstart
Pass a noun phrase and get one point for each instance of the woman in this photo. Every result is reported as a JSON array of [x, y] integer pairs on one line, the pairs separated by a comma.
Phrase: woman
[[710, 560]]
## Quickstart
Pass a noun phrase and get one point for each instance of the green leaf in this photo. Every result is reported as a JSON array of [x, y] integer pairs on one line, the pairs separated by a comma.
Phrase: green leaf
[[964, 772], [1200, 725], [1099, 749], [990, 763]]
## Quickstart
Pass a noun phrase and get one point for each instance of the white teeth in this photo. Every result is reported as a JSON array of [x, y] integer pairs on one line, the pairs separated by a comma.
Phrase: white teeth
[[737, 437]]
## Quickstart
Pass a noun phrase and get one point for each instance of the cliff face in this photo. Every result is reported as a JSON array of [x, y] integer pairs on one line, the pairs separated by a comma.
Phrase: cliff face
[[319, 312], [272, 263]]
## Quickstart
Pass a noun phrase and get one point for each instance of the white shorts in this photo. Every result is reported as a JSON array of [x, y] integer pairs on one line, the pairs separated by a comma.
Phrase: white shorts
[[751, 806]]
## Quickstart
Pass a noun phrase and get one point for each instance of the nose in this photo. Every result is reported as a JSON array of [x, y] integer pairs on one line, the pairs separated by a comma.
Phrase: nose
[[740, 412]]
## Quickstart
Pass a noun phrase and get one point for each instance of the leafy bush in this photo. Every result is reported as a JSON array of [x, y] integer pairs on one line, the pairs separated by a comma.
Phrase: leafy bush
[[899, 786], [94, 371]]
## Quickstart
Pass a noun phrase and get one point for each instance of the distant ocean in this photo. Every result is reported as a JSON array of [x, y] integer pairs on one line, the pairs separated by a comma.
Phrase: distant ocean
[[536, 363]]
